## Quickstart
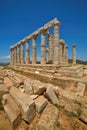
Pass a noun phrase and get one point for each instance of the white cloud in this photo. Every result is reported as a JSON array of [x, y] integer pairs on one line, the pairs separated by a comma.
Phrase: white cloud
[[5, 57]]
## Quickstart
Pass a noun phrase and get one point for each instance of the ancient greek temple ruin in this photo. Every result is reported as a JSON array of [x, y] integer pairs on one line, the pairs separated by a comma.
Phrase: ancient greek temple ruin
[[55, 48]]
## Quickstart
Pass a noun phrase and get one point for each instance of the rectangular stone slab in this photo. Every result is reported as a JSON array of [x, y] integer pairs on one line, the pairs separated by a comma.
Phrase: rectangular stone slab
[[40, 103], [25, 103]]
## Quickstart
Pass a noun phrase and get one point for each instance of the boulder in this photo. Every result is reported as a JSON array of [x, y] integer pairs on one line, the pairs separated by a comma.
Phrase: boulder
[[3, 90], [40, 103], [25, 103], [48, 119]]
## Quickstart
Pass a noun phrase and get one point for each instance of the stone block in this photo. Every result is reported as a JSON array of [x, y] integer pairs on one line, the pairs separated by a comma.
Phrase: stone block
[[3, 90], [38, 87], [51, 94], [8, 82], [28, 86], [12, 111], [80, 89], [48, 119], [25, 103], [40, 103]]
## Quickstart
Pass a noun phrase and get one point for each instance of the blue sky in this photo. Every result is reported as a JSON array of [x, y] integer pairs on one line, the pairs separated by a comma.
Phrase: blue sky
[[19, 18]]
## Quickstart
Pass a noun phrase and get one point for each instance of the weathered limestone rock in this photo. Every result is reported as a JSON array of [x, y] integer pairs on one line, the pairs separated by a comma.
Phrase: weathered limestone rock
[[51, 94], [3, 90], [40, 103], [38, 87], [48, 119], [80, 89], [12, 111], [34, 96], [83, 115], [25, 103], [8, 82]]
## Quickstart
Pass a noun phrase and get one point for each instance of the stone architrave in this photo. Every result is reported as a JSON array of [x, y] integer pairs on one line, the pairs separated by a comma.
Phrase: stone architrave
[[56, 59], [34, 50], [51, 45], [27, 52], [43, 49], [22, 53], [74, 53], [18, 54]]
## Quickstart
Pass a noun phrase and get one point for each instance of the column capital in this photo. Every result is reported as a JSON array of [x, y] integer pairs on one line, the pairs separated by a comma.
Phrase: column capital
[[73, 45]]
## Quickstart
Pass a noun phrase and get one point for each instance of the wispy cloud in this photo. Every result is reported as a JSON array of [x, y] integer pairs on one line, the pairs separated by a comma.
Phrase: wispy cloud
[[5, 57]]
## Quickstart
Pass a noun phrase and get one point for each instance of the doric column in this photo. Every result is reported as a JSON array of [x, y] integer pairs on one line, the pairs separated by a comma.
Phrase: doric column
[[63, 51], [51, 46], [74, 53], [34, 50], [22, 53], [66, 54], [43, 49], [10, 56], [61, 54], [18, 54], [56, 59], [27, 52], [13, 55]]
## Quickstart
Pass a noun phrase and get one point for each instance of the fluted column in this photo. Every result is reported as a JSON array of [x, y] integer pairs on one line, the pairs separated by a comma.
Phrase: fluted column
[[13, 56], [74, 53], [22, 53], [51, 46], [10, 56], [66, 54], [27, 52], [34, 50], [61, 54], [56, 59], [43, 49], [64, 60], [18, 54]]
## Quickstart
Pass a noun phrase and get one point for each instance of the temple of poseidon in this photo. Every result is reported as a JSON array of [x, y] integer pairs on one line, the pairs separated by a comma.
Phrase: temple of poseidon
[[55, 47], [53, 53]]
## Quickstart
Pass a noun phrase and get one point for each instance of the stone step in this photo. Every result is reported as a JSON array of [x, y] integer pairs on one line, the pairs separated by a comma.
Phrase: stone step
[[13, 118]]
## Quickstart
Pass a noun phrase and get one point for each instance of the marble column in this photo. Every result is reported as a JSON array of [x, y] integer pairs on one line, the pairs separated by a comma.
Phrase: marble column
[[22, 53], [51, 46], [56, 59], [43, 49], [27, 52], [74, 53], [18, 54], [34, 50], [66, 54], [10, 56], [61, 54], [13, 55]]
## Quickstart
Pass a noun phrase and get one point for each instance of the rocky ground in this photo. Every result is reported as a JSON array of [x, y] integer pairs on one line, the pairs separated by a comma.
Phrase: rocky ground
[[57, 108]]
